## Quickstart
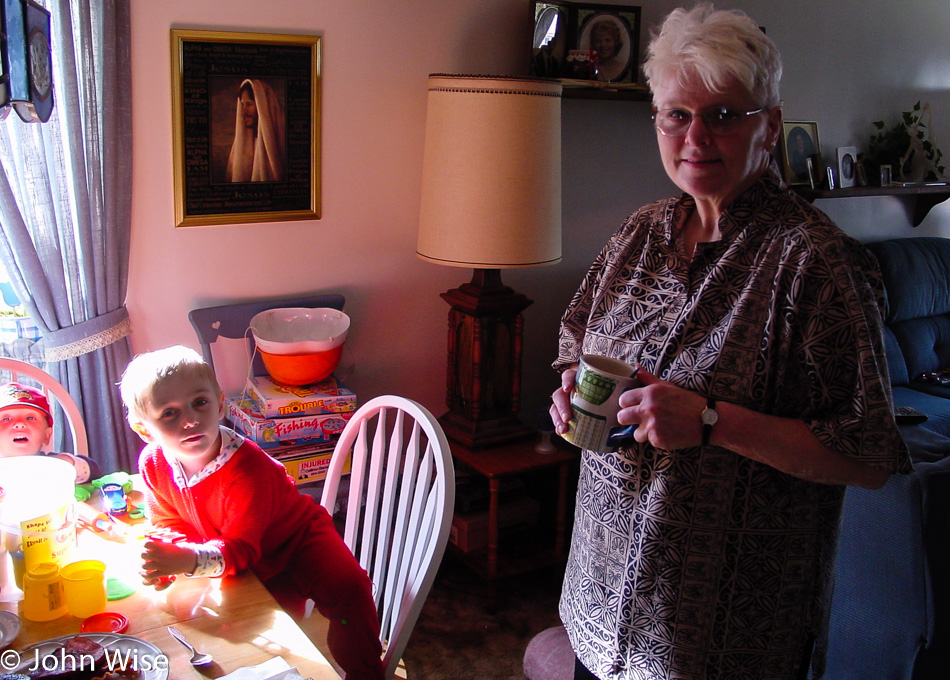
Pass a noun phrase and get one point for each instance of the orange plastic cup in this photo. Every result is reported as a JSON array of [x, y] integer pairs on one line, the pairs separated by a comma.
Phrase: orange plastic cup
[[85, 586]]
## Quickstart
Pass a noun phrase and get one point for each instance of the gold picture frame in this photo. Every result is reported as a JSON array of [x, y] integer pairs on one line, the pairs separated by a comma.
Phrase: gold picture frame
[[245, 127]]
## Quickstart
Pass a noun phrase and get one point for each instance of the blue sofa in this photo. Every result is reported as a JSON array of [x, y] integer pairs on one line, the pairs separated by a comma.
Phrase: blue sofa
[[890, 613], [916, 275]]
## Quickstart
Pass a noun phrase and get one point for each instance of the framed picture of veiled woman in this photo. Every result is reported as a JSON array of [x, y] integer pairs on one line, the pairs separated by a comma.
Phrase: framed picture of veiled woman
[[245, 127]]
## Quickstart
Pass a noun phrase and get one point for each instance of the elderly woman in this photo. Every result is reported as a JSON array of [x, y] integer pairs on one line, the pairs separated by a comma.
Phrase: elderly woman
[[703, 548]]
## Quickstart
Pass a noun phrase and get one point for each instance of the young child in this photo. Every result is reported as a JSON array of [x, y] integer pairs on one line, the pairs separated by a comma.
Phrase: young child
[[238, 508], [26, 426]]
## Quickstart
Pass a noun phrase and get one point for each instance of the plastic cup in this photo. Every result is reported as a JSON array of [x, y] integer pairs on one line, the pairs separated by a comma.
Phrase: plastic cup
[[85, 586], [19, 567], [43, 593]]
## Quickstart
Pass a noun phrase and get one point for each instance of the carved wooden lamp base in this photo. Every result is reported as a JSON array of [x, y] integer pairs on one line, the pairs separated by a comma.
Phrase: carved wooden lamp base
[[484, 362]]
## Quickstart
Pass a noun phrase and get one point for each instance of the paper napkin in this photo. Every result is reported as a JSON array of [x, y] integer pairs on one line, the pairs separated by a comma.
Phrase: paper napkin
[[273, 669]]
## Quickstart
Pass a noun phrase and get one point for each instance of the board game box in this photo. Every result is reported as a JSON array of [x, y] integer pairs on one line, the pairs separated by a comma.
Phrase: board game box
[[277, 400], [245, 416]]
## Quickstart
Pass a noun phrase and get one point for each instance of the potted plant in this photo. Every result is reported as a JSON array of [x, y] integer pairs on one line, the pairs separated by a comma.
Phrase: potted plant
[[907, 147]]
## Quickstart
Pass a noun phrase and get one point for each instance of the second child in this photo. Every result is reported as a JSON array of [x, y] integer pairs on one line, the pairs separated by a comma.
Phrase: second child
[[26, 427]]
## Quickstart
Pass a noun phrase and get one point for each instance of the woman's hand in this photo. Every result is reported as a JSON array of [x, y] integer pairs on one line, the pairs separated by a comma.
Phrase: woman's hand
[[667, 416], [561, 408], [163, 560]]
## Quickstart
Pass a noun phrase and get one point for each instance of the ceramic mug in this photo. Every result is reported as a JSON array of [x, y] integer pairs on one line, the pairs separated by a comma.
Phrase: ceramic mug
[[595, 403]]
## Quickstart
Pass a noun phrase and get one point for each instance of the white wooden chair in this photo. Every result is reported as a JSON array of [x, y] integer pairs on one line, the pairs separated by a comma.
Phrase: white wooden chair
[[17, 369], [399, 508]]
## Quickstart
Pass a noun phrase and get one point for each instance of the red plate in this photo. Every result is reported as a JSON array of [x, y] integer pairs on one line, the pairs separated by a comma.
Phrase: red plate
[[106, 622]]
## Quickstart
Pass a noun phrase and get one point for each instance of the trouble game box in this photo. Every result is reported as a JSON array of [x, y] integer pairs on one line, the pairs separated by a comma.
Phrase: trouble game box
[[277, 400]]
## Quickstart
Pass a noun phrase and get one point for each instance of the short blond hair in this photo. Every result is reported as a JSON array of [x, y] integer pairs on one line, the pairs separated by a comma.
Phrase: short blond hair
[[721, 47], [146, 371]]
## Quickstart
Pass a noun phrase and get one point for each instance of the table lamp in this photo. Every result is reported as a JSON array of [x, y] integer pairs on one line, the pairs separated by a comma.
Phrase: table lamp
[[491, 200]]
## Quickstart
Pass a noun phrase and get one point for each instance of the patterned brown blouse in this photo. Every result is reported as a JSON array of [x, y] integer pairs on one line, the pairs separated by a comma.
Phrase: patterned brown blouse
[[700, 564]]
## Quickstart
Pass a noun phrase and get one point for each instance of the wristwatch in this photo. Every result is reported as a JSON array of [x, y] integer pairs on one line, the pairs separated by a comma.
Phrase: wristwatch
[[709, 417]]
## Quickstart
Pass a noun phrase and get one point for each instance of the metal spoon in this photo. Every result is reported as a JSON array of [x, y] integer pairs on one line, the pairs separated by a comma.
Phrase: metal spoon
[[197, 659]]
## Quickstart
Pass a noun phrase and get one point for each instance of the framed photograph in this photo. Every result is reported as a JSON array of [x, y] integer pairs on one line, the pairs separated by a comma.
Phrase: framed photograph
[[799, 144], [861, 175], [885, 175], [847, 157], [549, 45], [245, 127], [582, 41]]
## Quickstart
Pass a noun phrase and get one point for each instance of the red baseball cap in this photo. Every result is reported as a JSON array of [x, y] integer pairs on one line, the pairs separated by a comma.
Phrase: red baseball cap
[[14, 394]]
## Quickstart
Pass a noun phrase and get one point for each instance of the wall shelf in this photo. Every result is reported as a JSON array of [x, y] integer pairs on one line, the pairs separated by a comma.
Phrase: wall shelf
[[921, 198], [584, 89]]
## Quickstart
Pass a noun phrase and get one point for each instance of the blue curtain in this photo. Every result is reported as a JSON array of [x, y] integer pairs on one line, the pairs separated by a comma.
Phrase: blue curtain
[[65, 217]]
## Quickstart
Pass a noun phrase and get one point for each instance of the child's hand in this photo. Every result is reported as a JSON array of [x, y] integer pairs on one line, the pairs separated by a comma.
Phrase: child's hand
[[163, 560], [158, 583]]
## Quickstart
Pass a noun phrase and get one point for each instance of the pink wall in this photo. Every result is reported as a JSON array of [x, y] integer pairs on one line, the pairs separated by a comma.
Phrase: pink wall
[[376, 56]]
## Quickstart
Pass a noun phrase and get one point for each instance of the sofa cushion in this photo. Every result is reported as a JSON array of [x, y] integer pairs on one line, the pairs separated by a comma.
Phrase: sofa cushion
[[937, 409], [916, 275], [896, 366], [931, 388], [924, 342]]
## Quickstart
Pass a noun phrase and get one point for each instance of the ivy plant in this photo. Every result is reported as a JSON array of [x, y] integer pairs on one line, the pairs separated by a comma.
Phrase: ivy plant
[[904, 140]]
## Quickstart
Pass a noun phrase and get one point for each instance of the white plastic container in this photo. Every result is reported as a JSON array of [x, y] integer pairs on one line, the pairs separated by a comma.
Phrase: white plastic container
[[37, 516]]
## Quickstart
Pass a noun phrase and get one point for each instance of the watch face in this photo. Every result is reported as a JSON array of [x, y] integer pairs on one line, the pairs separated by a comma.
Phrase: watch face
[[710, 416]]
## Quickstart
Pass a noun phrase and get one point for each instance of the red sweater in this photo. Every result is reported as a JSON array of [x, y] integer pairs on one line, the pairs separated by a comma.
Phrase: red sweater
[[250, 509]]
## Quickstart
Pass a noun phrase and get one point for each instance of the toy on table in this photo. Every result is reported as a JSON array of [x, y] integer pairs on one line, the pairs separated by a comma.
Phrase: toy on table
[[116, 502], [103, 501], [115, 490]]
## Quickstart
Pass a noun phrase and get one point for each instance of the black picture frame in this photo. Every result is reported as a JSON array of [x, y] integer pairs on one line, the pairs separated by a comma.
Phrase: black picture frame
[[281, 73], [565, 51], [549, 43], [26, 69], [799, 144]]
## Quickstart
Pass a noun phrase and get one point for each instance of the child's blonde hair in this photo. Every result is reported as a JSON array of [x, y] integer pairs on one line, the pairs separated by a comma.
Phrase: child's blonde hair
[[146, 371]]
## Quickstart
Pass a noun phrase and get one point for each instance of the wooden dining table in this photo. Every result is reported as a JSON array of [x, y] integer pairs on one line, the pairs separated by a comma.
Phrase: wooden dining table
[[233, 618]]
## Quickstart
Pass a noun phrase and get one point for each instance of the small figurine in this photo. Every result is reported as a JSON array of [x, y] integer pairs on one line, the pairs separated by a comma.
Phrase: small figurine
[[115, 488]]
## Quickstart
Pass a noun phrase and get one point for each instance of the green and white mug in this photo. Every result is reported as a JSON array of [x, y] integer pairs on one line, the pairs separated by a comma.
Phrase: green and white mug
[[595, 403]]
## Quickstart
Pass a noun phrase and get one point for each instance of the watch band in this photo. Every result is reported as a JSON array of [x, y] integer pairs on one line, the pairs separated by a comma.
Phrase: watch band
[[709, 417]]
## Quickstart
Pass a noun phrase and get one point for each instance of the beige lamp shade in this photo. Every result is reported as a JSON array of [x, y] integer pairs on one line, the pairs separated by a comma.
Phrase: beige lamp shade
[[491, 175]]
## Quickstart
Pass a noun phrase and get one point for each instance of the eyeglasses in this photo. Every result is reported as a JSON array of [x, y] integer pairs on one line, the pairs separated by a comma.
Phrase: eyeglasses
[[718, 120]]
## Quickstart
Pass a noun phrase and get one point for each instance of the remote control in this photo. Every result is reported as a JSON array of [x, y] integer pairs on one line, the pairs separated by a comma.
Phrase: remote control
[[907, 415]]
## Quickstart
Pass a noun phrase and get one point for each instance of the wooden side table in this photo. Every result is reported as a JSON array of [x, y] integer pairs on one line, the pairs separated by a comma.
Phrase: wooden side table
[[507, 460]]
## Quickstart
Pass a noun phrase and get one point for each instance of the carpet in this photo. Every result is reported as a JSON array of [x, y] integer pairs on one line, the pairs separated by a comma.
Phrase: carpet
[[464, 633]]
